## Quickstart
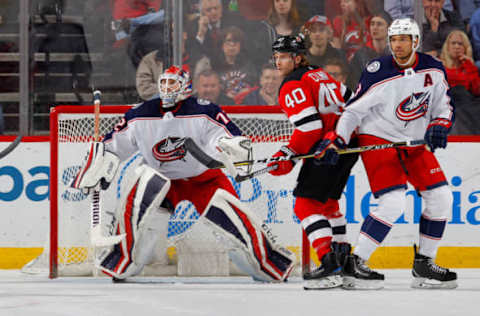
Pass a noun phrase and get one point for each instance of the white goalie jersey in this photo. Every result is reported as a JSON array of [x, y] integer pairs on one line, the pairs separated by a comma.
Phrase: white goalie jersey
[[384, 105], [158, 135]]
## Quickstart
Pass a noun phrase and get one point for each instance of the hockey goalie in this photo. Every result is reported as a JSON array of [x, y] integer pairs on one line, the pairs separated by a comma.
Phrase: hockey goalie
[[168, 174]]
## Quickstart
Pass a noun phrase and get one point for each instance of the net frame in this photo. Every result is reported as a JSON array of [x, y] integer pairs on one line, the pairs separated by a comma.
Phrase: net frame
[[237, 112]]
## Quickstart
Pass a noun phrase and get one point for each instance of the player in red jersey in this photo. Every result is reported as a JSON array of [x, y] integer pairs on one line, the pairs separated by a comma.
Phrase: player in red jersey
[[313, 100]]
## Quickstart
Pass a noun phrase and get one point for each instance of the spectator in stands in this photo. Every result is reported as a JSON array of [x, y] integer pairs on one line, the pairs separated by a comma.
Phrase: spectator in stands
[[374, 48], [457, 58], [437, 24], [148, 71], [333, 7], [466, 9], [406, 8], [204, 37], [283, 18], [207, 86], [267, 94], [237, 73], [475, 32], [128, 15], [254, 9], [464, 80], [318, 31], [350, 29], [337, 69], [151, 66]]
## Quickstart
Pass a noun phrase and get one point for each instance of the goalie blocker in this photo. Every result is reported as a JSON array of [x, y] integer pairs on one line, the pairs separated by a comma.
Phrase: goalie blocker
[[139, 216]]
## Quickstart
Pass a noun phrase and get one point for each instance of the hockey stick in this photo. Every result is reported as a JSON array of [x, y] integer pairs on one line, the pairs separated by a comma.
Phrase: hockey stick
[[96, 237], [212, 163], [418, 142], [408, 143], [240, 178], [11, 147]]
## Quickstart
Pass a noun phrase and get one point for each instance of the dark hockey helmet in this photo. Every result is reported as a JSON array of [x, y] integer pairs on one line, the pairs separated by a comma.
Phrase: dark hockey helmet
[[289, 44]]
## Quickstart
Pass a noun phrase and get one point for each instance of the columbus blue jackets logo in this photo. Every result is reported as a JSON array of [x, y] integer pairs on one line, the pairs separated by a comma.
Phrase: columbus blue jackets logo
[[169, 149], [413, 107]]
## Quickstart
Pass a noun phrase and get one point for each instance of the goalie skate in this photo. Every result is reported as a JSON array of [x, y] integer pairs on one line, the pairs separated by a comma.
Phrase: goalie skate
[[327, 276], [428, 275]]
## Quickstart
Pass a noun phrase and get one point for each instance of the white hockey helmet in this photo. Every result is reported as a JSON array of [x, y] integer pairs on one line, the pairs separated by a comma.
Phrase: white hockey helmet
[[174, 85], [405, 26]]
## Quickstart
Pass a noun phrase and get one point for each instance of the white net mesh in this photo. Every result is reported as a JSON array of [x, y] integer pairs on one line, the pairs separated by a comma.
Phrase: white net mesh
[[75, 256]]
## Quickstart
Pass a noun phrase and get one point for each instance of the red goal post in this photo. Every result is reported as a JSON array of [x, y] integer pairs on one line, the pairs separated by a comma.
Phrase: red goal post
[[71, 128]]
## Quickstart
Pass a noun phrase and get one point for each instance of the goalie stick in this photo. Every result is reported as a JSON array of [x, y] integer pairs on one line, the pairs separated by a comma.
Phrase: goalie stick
[[212, 163], [96, 237]]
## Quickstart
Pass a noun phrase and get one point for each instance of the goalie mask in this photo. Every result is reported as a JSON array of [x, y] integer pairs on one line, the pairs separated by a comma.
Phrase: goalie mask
[[405, 26], [174, 85]]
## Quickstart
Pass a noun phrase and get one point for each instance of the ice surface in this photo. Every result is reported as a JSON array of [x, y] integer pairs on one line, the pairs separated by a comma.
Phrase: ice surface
[[22, 295]]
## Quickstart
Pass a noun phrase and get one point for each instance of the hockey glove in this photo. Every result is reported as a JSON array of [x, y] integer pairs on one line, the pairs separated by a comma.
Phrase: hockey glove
[[437, 132], [285, 166], [326, 150], [100, 166]]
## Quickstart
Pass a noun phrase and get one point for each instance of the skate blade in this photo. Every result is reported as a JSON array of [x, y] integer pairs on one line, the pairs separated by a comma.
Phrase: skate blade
[[351, 283], [328, 282], [424, 283]]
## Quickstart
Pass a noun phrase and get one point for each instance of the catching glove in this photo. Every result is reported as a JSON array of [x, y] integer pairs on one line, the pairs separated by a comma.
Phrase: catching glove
[[100, 166], [326, 150], [437, 132], [285, 166]]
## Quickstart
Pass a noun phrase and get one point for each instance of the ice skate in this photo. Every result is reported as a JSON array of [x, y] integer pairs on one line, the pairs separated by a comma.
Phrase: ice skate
[[358, 276], [341, 250], [327, 276], [428, 275]]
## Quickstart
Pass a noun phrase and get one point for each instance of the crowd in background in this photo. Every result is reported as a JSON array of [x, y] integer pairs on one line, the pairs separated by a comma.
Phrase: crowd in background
[[227, 43]]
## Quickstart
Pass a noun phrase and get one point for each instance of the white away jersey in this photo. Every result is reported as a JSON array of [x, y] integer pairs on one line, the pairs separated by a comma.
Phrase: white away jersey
[[396, 104], [157, 135]]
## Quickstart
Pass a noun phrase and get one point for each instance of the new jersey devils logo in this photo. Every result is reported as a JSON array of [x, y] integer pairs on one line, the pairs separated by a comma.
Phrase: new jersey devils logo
[[413, 107], [169, 149]]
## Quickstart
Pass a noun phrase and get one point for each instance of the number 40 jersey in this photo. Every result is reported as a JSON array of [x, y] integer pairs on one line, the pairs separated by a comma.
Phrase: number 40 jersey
[[313, 101]]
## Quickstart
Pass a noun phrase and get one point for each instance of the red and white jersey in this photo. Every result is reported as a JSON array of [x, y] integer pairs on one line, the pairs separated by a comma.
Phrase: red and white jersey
[[158, 135], [396, 104], [313, 101]]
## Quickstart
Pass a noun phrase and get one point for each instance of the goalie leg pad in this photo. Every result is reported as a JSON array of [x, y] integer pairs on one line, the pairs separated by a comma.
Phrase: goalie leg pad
[[253, 246], [139, 217]]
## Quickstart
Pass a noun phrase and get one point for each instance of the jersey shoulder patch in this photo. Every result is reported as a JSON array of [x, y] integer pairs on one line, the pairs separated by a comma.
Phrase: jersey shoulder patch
[[203, 102], [374, 66]]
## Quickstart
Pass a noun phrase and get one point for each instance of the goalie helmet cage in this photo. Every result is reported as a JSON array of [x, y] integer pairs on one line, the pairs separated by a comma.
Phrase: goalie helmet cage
[[72, 128]]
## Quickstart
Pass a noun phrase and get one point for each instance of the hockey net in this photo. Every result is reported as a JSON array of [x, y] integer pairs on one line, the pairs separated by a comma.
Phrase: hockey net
[[190, 250]]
